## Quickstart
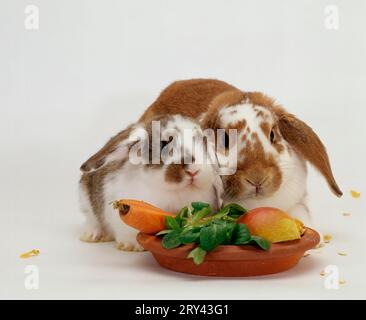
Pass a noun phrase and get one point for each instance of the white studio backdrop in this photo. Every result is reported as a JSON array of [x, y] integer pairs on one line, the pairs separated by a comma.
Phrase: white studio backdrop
[[92, 67]]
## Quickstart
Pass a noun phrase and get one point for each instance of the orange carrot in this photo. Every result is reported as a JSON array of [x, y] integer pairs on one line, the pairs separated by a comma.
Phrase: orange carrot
[[141, 215]]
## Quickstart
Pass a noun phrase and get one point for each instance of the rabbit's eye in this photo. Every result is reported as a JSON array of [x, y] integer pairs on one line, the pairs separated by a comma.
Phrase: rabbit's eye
[[272, 136], [163, 144], [226, 141]]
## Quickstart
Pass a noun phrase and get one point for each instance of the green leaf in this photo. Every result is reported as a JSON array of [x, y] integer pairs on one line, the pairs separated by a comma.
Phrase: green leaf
[[179, 220], [263, 243], [230, 219], [241, 234], [208, 231], [235, 210], [171, 239], [190, 236], [229, 230], [183, 216], [183, 212], [212, 236], [171, 223], [162, 232], [200, 215], [218, 221], [198, 255], [188, 213], [221, 214], [197, 206]]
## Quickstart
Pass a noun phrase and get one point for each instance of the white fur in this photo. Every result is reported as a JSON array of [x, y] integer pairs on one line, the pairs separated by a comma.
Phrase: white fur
[[291, 195], [132, 183], [148, 184], [246, 111], [93, 229]]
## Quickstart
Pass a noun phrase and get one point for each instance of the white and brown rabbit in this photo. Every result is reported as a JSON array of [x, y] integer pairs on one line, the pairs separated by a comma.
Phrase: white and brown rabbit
[[126, 171], [273, 150], [274, 146]]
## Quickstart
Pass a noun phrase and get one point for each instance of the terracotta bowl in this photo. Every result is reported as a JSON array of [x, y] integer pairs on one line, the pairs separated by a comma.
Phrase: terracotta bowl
[[232, 261]]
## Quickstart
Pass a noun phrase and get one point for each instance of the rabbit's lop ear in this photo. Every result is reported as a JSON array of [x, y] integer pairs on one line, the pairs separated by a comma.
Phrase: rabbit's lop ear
[[306, 142], [219, 191], [115, 149]]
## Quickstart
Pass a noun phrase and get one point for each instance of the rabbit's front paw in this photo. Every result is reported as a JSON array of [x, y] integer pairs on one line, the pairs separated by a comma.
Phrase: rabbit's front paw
[[95, 234], [129, 246]]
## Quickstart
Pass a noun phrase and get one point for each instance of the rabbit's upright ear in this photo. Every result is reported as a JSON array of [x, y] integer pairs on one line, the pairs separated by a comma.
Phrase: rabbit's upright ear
[[115, 149], [305, 142]]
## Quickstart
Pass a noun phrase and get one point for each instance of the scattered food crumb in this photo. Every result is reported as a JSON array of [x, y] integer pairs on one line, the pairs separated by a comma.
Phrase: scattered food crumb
[[322, 273], [320, 245], [355, 194], [343, 254], [346, 214], [29, 254], [327, 238], [342, 281]]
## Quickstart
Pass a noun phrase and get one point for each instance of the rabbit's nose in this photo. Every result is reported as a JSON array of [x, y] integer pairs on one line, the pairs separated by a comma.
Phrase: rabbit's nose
[[257, 182], [192, 172]]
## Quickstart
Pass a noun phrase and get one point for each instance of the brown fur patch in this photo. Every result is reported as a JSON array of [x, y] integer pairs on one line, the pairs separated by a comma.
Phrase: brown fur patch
[[233, 186], [257, 166], [260, 114], [260, 99], [174, 173], [306, 143], [225, 99], [190, 98], [277, 138], [266, 128], [279, 147], [239, 125]]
